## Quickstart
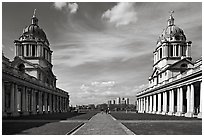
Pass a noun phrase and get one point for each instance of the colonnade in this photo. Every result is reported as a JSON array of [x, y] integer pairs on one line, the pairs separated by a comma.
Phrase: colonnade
[[32, 50], [179, 101], [173, 50], [22, 100]]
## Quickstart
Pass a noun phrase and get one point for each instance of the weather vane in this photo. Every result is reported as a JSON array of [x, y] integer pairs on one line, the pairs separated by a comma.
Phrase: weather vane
[[34, 13], [171, 12]]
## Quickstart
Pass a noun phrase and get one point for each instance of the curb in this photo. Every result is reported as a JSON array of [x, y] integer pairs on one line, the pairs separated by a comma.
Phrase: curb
[[74, 130]]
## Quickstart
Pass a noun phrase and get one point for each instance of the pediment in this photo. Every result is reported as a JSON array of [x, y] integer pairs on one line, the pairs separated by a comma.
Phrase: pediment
[[181, 64]]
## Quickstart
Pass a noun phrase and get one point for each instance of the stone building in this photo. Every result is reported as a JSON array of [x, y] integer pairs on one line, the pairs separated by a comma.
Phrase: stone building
[[176, 80], [28, 83]]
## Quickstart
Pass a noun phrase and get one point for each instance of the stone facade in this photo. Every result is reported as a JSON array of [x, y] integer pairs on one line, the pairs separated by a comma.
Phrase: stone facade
[[176, 82], [28, 83]]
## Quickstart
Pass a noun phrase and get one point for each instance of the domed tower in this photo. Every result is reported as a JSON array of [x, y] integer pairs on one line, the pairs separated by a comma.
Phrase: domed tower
[[172, 55], [171, 46], [33, 48]]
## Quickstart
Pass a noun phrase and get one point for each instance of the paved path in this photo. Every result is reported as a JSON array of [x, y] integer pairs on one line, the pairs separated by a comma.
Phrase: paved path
[[103, 124]]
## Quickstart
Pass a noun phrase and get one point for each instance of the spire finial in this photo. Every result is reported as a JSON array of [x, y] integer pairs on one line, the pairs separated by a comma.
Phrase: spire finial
[[171, 12], [34, 13], [171, 19]]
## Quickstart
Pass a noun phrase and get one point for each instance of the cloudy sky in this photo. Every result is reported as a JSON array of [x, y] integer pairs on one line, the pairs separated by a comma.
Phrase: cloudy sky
[[101, 50]]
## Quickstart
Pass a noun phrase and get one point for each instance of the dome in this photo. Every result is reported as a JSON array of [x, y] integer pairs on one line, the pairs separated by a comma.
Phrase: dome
[[33, 31], [172, 32], [36, 32]]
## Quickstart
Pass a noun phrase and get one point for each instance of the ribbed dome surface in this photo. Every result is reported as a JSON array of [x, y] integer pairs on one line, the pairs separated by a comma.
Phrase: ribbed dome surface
[[36, 32]]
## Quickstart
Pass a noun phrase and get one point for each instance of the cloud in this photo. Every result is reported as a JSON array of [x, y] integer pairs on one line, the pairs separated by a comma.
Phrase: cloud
[[121, 14], [60, 5], [71, 7]]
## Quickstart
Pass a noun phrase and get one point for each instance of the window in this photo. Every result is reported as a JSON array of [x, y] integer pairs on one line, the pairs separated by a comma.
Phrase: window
[[33, 50], [27, 50], [160, 53], [183, 67], [21, 68], [183, 50], [177, 49], [170, 50]]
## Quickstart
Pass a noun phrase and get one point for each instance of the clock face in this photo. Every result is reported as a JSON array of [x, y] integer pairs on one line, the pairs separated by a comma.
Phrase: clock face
[[177, 37]]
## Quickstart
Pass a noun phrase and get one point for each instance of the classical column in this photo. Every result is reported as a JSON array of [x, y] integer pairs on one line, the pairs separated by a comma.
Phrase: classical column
[[53, 103], [178, 102], [33, 102], [159, 103], [57, 104], [147, 104], [144, 105], [164, 110], [150, 109], [50, 103], [138, 105], [3, 100], [45, 102], [200, 113], [154, 103], [170, 100], [192, 99], [13, 104], [26, 112], [188, 93], [40, 105]]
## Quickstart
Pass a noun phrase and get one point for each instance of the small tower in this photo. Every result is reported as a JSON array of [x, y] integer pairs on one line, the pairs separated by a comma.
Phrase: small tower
[[171, 48], [33, 48]]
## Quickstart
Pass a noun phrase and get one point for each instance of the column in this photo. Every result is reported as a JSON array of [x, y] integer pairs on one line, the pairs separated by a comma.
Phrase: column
[[188, 93], [150, 109], [144, 105], [200, 113], [178, 103], [154, 103], [159, 104], [40, 107], [50, 103], [164, 110], [54, 103], [181, 100], [192, 99], [13, 106], [57, 103], [26, 112], [171, 102], [45, 102], [147, 104], [3, 100], [187, 50], [33, 102]]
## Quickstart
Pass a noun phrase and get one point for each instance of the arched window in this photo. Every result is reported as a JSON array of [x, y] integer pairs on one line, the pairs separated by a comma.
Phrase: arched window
[[21, 68]]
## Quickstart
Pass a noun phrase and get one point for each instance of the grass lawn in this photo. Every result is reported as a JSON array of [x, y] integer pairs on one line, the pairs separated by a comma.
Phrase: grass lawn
[[28, 125], [165, 128], [149, 124], [145, 116]]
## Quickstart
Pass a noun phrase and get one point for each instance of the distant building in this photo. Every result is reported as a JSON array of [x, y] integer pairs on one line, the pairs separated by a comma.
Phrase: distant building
[[28, 83], [118, 100], [176, 81]]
